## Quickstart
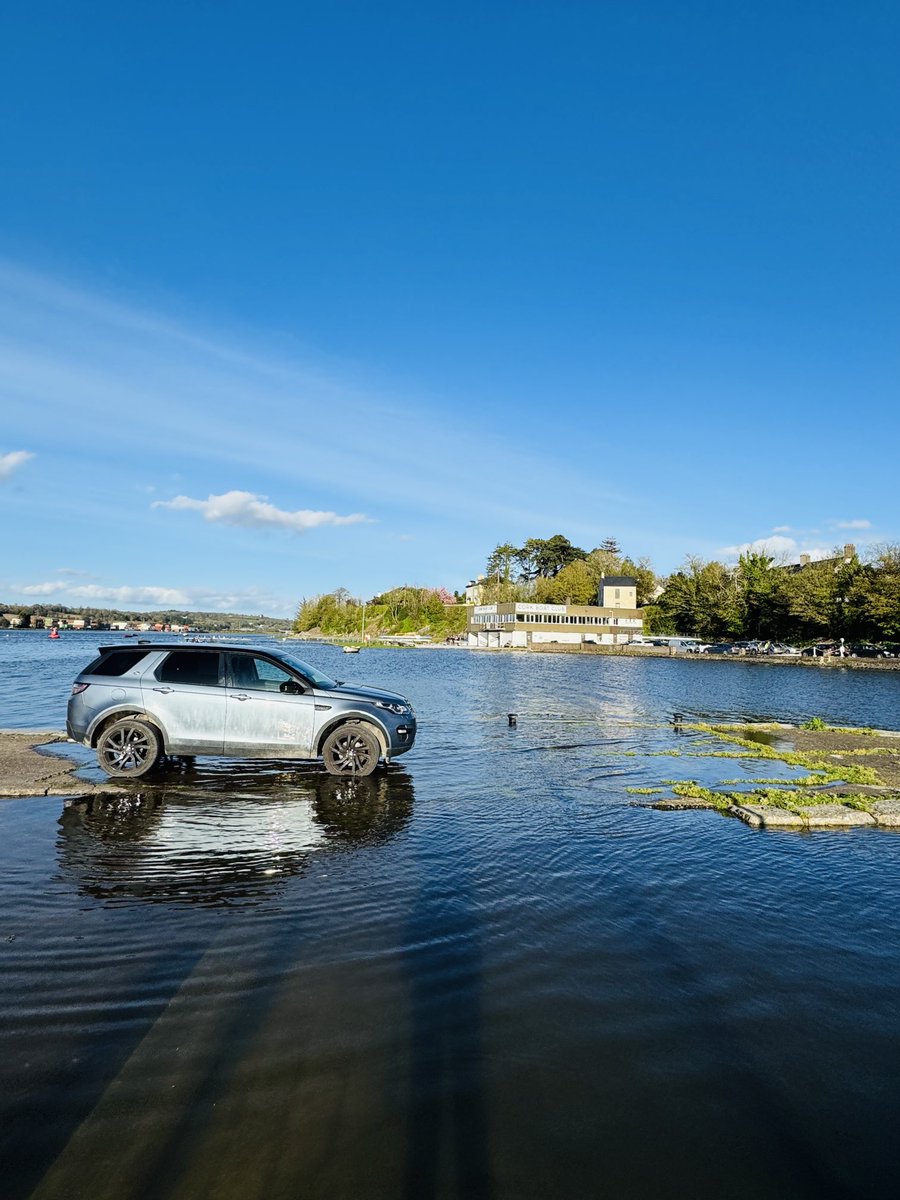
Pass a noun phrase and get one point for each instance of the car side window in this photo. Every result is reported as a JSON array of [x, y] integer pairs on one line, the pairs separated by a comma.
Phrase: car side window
[[258, 674], [116, 663], [191, 667]]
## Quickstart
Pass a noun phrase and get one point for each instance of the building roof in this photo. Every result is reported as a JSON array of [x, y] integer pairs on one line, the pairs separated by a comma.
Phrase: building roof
[[618, 581]]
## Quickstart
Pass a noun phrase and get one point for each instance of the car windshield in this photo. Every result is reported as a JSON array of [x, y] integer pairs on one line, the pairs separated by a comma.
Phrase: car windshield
[[316, 678]]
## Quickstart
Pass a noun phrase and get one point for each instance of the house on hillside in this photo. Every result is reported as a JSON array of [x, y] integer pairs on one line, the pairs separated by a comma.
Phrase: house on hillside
[[835, 562]]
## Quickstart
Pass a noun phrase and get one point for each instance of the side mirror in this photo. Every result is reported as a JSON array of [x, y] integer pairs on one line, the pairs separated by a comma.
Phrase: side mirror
[[292, 687]]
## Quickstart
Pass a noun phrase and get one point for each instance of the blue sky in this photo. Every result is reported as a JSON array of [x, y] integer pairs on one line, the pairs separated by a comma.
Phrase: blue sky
[[301, 296]]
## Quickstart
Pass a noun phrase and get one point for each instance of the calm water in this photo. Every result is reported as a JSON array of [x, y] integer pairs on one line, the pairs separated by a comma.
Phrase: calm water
[[485, 973]]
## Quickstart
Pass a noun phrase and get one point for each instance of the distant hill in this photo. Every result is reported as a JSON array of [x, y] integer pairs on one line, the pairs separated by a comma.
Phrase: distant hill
[[212, 622]]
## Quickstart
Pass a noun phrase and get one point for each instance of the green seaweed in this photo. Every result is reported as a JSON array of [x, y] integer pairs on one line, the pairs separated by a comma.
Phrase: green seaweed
[[809, 760], [690, 788]]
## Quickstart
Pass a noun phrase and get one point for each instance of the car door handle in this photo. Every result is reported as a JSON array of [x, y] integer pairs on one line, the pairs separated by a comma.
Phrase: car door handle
[[240, 696], [165, 691]]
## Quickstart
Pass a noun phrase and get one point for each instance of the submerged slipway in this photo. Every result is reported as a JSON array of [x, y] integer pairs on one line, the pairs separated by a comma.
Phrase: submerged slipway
[[487, 972]]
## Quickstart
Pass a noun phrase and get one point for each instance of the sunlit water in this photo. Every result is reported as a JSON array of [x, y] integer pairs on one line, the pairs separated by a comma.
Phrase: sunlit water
[[487, 972]]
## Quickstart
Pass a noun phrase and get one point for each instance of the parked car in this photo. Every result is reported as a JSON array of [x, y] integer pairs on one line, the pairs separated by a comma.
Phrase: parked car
[[866, 650], [721, 648], [136, 704]]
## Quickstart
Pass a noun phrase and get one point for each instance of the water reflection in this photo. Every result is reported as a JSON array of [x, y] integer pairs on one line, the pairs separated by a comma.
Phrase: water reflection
[[223, 833]]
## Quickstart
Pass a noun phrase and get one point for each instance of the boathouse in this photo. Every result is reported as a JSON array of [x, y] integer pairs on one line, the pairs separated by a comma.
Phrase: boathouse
[[614, 619]]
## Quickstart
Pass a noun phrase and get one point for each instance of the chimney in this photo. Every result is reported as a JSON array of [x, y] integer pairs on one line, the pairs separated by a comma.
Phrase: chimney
[[849, 552], [804, 560]]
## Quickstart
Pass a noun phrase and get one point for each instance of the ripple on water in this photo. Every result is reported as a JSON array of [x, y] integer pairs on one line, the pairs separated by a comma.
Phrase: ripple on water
[[486, 971]]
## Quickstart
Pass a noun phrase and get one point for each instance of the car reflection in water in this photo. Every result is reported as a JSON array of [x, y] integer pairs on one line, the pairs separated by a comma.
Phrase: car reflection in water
[[224, 832]]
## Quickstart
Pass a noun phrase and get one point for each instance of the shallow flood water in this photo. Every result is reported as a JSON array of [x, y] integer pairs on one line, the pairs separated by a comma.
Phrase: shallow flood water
[[485, 972]]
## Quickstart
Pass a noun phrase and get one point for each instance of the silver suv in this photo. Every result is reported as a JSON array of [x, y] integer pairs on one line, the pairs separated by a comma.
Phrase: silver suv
[[136, 704]]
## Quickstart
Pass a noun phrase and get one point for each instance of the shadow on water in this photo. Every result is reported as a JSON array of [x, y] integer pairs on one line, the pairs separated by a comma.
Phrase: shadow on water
[[225, 833], [201, 837], [447, 1105]]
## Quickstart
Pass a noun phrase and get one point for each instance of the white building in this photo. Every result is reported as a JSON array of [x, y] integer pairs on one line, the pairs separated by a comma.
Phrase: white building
[[615, 620]]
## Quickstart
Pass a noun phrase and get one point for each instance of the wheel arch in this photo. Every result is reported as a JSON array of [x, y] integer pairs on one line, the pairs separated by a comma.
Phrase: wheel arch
[[109, 718], [354, 719]]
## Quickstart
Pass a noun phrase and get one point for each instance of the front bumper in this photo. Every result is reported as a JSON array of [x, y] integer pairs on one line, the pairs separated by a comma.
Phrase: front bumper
[[401, 736]]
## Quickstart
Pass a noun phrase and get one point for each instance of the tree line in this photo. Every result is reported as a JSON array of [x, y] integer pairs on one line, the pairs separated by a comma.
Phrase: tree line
[[554, 571], [837, 597], [401, 610], [843, 596]]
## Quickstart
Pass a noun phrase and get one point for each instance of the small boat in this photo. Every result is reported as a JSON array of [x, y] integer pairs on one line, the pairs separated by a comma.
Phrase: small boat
[[351, 649], [54, 633]]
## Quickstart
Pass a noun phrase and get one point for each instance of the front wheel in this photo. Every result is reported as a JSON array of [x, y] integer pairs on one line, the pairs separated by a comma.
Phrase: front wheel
[[351, 750], [128, 748]]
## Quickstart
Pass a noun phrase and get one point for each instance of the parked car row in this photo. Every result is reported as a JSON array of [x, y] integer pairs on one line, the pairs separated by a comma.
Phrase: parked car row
[[779, 649], [853, 650], [782, 650], [753, 647]]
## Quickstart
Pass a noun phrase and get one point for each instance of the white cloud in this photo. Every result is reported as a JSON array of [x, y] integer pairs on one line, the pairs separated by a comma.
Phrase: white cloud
[[779, 547], [12, 461], [254, 512], [859, 523], [776, 545], [119, 595], [782, 529], [247, 600]]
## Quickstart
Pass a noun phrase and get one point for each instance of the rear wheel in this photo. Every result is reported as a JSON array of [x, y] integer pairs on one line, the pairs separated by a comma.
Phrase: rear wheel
[[351, 750], [128, 748]]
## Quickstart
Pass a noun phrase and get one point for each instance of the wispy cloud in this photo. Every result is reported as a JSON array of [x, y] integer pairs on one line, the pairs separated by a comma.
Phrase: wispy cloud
[[858, 523], [250, 511], [12, 461], [782, 529], [71, 349]]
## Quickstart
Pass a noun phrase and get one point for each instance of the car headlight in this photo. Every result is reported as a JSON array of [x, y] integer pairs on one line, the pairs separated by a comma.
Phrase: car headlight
[[392, 706]]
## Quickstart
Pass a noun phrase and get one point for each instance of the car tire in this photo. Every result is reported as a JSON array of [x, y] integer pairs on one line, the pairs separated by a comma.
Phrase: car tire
[[128, 748], [351, 750]]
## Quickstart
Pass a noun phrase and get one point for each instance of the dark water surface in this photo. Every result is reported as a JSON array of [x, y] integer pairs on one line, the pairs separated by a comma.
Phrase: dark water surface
[[486, 972]]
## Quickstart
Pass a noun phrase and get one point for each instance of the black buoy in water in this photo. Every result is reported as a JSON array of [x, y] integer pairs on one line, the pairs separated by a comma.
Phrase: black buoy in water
[[513, 719]]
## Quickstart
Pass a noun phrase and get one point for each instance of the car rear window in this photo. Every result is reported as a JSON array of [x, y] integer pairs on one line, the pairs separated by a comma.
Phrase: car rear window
[[190, 666], [116, 663]]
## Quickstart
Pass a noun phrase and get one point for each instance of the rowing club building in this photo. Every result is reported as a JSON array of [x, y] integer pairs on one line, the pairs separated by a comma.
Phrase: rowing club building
[[614, 619]]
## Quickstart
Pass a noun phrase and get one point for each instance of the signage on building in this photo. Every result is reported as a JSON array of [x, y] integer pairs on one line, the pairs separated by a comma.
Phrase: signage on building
[[540, 608]]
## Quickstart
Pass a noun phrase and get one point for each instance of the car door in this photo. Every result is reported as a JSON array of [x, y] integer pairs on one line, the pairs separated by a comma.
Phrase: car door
[[270, 711], [187, 694]]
